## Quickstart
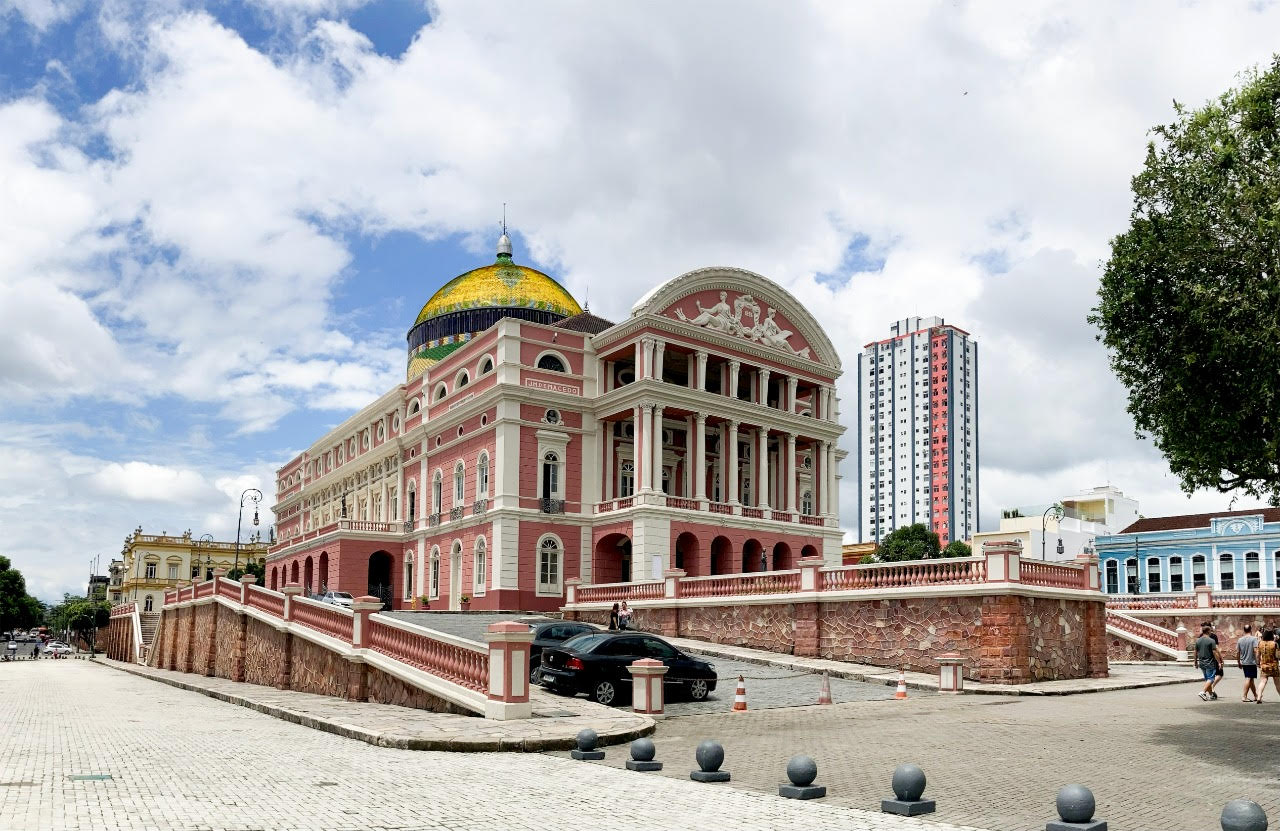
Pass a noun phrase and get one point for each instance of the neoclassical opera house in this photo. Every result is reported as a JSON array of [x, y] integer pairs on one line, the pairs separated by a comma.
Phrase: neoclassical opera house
[[533, 442]]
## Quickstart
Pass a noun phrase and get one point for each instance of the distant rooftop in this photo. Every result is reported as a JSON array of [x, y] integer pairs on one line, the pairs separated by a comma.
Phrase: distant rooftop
[[1174, 523], [584, 322]]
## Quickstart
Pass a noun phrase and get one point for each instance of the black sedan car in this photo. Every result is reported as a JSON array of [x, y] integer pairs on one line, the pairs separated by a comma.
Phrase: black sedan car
[[552, 634], [596, 664]]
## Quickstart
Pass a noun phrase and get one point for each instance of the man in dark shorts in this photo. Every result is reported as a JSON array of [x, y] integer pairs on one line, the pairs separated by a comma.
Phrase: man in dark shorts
[[1247, 660], [1208, 659]]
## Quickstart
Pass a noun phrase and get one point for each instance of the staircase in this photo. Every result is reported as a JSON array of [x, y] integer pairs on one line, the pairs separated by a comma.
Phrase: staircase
[[149, 620], [1155, 638]]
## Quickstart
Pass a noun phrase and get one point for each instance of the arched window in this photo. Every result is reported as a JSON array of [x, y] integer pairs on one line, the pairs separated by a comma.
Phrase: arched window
[[1175, 574], [1113, 577], [1153, 575], [413, 502], [550, 475], [459, 479], [806, 503], [462, 380], [148, 604], [1252, 574], [435, 572], [549, 566], [441, 392], [482, 476], [1227, 572], [1199, 575], [551, 363], [437, 492], [626, 480], [486, 366], [408, 577], [479, 569], [1132, 584]]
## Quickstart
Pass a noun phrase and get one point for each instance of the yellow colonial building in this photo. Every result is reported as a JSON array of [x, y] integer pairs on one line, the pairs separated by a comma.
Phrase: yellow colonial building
[[155, 562]]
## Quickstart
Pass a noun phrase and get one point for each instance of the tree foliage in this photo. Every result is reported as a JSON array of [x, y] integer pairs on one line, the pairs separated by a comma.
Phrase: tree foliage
[[1189, 303], [911, 542], [17, 608], [957, 548], [80, 616]]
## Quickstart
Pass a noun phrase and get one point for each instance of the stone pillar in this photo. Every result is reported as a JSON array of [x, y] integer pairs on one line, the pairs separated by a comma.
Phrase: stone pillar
[[819, 476], [734, 366], [1204, 596], [659, 349], [656, 483], [1003, 561], [637, 448], [188, 641], [793, 384], [646, 421], [362, 607], [290, 592], [1004, 641], [241, 645], [646, 685], [807, 631], [951, 672], [644, 359], [790, 467], [508, 671], [810, 578], [246, 580], [832, 487], [571, 590], [702, 370], [763, 381], [284, 678], [1090, 577], [762, 468], [700, 454], [730, 453], [606, 471], [210, 658], [690, 370]]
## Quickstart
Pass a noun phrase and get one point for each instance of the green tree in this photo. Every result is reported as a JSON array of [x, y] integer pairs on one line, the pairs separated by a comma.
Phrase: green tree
[[1189, 303], [17, 608], [80, 616], [911, 542], [957, 548]]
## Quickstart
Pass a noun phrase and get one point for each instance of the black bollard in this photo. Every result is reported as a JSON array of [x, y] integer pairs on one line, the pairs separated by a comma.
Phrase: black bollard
[[1075, 811], [1243, 815], [908, 788], [586, 750], [642, 753], [710, 756], [802, 770]]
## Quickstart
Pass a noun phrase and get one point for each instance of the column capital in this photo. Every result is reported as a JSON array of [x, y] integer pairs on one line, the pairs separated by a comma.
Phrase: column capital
[[735, 363], [658, 343], [648, 408], [701, 354], [733, 424], [701, 418]]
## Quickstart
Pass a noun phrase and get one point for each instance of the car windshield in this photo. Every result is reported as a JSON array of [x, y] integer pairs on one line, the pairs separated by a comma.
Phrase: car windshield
[[342, 595], [585, 643]]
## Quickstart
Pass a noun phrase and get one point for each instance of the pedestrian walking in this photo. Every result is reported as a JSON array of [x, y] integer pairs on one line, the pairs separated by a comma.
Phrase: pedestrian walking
[[1268, 662], [1247, 660], [624, 616], [1209, 660], [35, 652], [613, 618], [1222, 665]]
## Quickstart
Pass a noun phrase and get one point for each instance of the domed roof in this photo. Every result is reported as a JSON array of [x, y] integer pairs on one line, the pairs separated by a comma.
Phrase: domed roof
[[500, 285]]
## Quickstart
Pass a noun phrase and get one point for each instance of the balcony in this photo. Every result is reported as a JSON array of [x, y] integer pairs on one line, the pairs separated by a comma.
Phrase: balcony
[[455, 513], [551, 506], [433, 521], [480, 507], [703, 505]]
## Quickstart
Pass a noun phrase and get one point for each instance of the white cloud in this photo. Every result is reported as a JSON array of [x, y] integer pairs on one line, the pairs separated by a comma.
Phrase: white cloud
[[142, 481]]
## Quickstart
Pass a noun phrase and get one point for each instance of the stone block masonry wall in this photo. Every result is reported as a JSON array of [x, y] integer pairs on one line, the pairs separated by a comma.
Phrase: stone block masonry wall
[[1229, 625], [1119, 649]]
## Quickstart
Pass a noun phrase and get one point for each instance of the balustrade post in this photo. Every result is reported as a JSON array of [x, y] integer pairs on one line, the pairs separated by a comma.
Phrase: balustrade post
[[809, 574], [246, 580], [290, 592], [1204, 597], [671, 582], [571, 590], [1182, 638], [1091, 577], [1003, 561], [363, 607], [508, 671]]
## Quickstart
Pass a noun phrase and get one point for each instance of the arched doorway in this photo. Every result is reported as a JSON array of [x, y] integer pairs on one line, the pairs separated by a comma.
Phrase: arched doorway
[[782, 557], [721, 556], [809, 551], [308, 574], [380, 585], [753, 557], [612, 562], [687, 555], [455, 576], [322, 573], [275, 578], [293, 573]]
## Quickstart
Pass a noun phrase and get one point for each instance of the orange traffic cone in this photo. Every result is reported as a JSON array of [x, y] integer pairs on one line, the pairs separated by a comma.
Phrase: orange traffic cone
[[824, 692], [740, 697], [902, 685]]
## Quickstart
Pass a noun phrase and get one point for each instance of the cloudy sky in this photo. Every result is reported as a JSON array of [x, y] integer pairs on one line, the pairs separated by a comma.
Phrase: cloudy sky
[[217, 221]]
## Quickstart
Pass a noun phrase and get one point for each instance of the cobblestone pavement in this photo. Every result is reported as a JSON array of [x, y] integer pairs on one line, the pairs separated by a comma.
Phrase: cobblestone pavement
[[1155, 758], [179, 760]]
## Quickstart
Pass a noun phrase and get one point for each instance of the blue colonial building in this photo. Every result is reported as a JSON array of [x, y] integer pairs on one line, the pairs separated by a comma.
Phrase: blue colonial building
[[1229, 551]]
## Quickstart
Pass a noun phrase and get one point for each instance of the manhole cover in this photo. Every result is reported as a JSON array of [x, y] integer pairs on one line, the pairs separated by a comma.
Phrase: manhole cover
[[88, 777]]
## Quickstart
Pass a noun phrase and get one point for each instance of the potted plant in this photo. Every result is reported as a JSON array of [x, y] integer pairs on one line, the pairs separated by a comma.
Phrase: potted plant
[[466, 601], [423, 603]]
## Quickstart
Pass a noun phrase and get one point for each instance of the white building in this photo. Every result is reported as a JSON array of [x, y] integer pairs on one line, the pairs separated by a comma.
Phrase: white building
[[1086, 516], [918, 430]]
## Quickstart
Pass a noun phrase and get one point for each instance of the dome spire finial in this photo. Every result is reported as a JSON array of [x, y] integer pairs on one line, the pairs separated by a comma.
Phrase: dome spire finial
[[504, 241]]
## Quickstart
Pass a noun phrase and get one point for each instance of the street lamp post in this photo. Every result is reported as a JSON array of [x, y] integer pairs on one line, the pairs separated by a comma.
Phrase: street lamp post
[[1058, 514], [205, 539], [255, 496]]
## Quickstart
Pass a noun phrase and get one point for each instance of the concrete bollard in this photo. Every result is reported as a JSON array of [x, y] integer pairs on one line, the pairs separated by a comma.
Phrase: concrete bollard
[[802, 770], [646, 686], [710, 756], [1243, 815], [1075, 811], [951, 672], [908, 787], [642, 753], [586, 749]]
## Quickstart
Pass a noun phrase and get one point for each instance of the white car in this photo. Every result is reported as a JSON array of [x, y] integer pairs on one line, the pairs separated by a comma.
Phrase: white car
[[337, 598], [57, 648]]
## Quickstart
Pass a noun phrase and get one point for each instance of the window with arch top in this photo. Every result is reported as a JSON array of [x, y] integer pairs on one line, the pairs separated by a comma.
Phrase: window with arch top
[[552, 363], [441, 392], [459, 477], [437, 491], [626, 480], [486, 366], [549, 566], [550, 475], [434, 575], [479, 570], [482, 476]]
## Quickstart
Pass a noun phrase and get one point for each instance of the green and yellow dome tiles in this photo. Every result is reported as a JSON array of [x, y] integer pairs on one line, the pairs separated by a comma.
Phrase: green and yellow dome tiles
[[500, 285]]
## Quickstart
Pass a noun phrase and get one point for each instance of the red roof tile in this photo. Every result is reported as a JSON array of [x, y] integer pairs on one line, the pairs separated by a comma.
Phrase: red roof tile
[[1172, 523]]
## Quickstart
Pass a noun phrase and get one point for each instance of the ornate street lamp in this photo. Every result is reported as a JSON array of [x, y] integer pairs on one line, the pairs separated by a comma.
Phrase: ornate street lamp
[[1058, 514], [252, 495], [208, 559]]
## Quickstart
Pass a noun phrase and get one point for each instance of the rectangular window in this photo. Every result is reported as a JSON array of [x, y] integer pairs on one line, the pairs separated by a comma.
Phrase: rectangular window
[[549, 570], [480, 573], [435, 577], [1252, 575], [1153, 576], [1175, 574], [1227, 572], [173, 572], [151, 571]]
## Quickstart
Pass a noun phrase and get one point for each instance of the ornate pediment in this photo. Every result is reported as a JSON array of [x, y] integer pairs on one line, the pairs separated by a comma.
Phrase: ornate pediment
[[1236, 525], [741, 318]]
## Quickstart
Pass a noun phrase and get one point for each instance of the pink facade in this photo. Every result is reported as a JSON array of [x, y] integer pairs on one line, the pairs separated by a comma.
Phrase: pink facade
[[700, 433]]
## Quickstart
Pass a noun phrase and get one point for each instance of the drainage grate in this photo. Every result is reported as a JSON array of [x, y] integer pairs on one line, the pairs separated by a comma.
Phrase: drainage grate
[[88, 777]]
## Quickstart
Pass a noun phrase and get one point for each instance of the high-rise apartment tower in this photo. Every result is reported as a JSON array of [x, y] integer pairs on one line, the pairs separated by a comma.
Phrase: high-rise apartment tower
[[918, 430]]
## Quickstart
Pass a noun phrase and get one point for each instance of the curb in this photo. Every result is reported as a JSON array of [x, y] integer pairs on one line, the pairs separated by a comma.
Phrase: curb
[[454, 745]]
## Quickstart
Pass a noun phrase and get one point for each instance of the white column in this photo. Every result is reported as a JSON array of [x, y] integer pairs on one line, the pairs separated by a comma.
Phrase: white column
[[690, 371], [659, 348], [655, 481], [833, 495], [762, 467], [730, 453], [763, 380], [790, 468], [820, 476], [734, 366], [702, 370], [688, 457], [700, 456], [637, 448], [644, 366], [793, 384], [606, 473], [384, 508]]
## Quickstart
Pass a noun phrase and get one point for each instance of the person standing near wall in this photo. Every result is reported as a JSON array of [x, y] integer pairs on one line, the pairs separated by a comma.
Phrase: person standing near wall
[[1247, 660], [1209, 659]]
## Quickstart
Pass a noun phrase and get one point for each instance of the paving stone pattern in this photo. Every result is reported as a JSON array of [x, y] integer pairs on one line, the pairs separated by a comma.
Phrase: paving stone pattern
[[1157, 759], [179, 760]]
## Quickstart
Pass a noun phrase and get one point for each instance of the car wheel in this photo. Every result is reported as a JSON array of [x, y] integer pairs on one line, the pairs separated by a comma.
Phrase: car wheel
[[535, 673], [698, 689], [605, 693]]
